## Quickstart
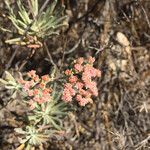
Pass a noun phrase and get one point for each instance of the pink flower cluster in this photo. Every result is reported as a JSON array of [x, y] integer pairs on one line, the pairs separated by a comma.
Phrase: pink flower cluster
[[80, 82], [36, 89]]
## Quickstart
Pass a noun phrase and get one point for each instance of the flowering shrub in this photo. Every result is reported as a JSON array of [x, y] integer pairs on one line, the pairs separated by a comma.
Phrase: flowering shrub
[[43, 96], [46, 110], [80, 82]]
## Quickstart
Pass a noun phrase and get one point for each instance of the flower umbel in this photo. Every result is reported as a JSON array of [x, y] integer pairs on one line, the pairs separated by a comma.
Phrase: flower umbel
[[80, 81], [36, 89]]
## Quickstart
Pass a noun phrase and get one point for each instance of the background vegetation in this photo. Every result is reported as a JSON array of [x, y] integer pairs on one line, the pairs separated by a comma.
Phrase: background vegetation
[[117, 34]]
